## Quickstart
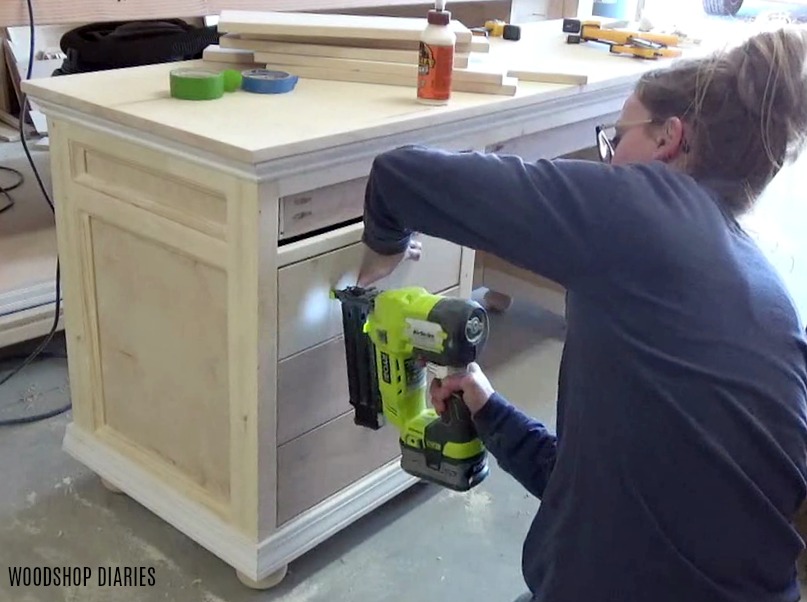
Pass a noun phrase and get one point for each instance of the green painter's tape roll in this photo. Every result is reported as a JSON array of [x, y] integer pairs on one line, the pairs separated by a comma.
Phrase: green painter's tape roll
[[232, 79], [202, 84]]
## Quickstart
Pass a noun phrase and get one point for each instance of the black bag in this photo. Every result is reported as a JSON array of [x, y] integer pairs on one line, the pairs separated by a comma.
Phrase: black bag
[[115, 45]]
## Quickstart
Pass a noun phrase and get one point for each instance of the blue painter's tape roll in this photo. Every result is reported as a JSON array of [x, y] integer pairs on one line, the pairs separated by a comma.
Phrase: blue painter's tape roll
[[266, 81]]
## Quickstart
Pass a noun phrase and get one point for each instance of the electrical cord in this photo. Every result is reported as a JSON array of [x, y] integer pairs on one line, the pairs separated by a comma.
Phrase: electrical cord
[[39, 351], [6, 190]]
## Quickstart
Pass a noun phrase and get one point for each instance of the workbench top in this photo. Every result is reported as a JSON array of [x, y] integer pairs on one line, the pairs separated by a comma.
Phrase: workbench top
[[251, 127], [321, 114]]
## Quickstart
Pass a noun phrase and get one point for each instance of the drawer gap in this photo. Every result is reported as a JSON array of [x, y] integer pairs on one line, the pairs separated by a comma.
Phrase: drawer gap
[[314, 233]]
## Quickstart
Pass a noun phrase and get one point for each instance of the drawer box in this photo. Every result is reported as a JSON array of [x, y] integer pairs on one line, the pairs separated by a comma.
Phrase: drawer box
[[312, 388], [316, 209], [307, 316], [319, 464]]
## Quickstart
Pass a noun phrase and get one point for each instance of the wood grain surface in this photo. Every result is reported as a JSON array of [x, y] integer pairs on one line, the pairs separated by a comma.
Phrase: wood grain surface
[[270, 23]]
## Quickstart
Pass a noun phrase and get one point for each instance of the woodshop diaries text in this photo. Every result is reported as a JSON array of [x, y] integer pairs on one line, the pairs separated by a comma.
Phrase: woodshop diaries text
[[82, 576]]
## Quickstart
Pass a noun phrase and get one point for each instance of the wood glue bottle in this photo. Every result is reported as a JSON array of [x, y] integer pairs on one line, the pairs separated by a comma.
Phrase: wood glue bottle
[[436, 57]]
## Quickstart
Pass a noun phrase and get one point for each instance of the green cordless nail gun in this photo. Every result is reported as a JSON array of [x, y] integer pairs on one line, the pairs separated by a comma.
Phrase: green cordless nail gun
[[391, 339]]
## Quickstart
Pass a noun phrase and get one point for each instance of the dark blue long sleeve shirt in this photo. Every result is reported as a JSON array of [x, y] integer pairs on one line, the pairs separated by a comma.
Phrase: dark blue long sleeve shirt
[[681, 446]]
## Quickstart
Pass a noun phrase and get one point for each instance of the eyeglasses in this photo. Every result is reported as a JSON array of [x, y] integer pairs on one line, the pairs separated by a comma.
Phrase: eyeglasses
[[606, 145]]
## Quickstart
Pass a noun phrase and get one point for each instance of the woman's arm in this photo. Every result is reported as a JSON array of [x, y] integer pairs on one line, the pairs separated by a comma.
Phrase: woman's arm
[[522, 446], [544, 216]]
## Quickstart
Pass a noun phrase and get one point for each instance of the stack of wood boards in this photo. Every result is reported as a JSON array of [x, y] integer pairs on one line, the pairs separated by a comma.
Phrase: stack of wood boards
[[356, 48]]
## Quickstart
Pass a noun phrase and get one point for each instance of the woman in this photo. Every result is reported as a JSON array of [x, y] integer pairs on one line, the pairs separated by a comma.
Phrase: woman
[[681, 450]]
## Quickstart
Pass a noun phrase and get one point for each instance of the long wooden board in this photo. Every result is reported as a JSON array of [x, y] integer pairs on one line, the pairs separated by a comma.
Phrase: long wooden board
[[479, 44], [217, 54], [549, 77], [489, 76], [466, 80], [388, 55], [366, 43], [508, 87], [329, 50], [272, 23]]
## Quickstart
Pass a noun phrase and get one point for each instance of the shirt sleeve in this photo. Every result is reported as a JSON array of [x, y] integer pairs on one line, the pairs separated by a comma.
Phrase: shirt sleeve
[[544, 216], [522, 446]]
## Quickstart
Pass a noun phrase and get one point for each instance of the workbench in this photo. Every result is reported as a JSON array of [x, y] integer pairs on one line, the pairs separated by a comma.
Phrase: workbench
[[199, 242]]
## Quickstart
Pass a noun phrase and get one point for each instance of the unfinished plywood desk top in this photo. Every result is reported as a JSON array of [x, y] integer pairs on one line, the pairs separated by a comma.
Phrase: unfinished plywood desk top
[[320, 114], [199, 242]]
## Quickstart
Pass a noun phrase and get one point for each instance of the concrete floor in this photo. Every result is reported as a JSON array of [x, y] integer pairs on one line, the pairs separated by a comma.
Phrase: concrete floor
[[54, 512]]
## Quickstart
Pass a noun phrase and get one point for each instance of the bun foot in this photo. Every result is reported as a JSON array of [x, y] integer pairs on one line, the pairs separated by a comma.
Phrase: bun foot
[[267, 582], [110, 487]]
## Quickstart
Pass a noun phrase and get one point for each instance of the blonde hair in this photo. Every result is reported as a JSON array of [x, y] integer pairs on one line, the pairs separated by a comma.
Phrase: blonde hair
[[744, 110]]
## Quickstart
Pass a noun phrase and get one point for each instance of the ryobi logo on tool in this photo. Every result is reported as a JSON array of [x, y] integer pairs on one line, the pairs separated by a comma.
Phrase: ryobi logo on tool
[[386, 371]]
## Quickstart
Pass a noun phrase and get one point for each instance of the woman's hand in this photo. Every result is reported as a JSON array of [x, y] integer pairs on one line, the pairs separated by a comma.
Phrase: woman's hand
[[375, 266], [473, 384]]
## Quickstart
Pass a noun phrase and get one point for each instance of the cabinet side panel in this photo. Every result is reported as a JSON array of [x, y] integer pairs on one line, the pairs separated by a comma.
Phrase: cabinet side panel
[[162, 333], [146, 282]]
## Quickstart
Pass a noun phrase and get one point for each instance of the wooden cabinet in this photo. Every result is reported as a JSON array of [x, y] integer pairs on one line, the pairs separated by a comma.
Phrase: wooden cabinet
[[201, 362], [207, 365]]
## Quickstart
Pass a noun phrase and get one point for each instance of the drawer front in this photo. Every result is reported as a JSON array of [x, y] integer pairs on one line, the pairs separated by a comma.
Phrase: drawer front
[[307, 316], [319, 464], [310, 211], [312, 388]]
